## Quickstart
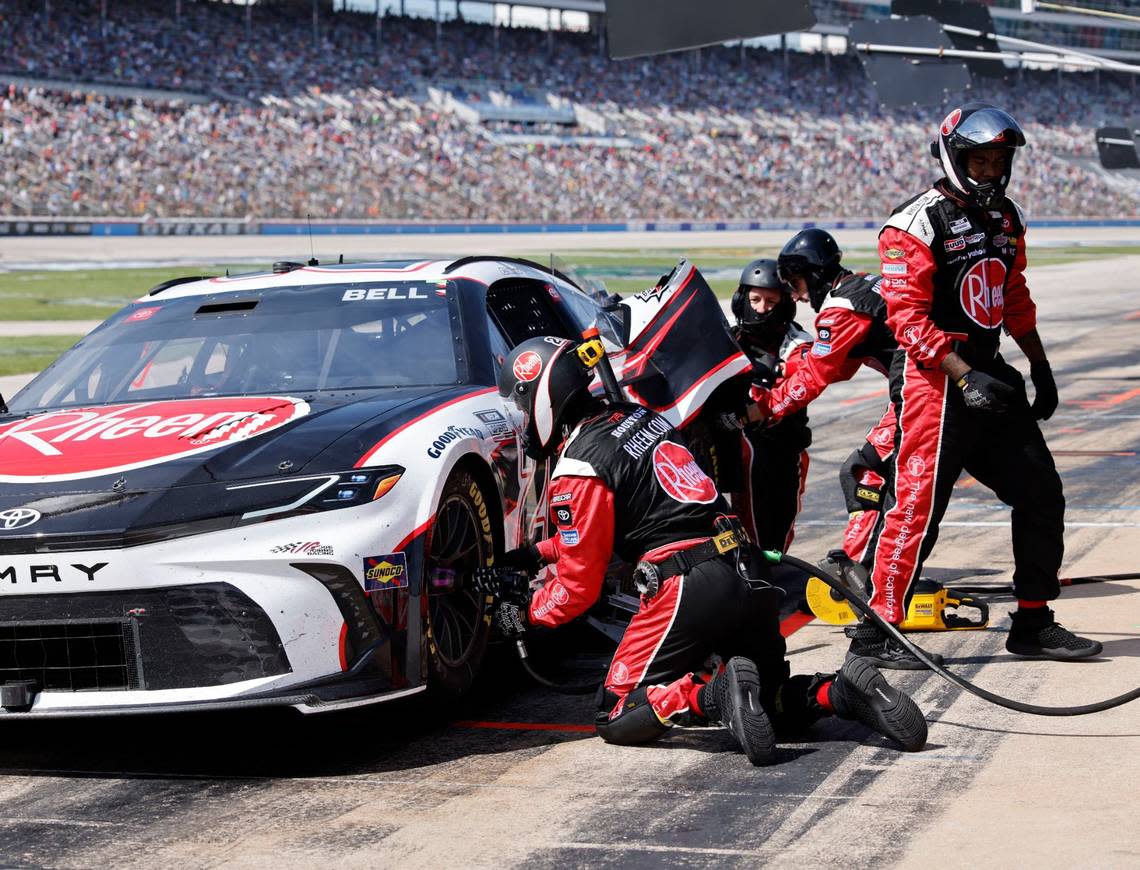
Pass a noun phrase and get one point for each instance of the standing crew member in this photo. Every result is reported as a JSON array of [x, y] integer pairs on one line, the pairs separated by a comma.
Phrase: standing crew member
[[775, 459], [953, 261], [851, 331], [625, 482]]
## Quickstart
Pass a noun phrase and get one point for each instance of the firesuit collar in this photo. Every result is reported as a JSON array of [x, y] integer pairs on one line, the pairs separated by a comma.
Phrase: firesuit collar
[[820, 291]]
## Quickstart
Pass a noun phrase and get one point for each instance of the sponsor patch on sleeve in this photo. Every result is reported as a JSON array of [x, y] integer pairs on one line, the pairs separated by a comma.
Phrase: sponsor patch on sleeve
[[561, 497], [824, 333], [894, 253], [564, 516], [894, 268], [569, 537], [389, 571], [821, 348]]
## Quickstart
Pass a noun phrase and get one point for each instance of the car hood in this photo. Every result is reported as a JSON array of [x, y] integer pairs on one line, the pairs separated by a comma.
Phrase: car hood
[[111, 468]]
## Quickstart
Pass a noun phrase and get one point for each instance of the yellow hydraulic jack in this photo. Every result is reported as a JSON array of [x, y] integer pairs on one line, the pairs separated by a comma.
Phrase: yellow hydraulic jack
[[933, 607]]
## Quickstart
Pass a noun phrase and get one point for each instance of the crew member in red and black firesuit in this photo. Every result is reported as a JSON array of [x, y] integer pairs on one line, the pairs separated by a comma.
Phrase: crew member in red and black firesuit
[[851, 331], [625, 482], [953, 261], [774, 458]]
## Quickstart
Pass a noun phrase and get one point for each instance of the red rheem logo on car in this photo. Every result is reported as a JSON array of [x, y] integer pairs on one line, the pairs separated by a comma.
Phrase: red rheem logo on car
[[680, 475], [88, 442], [527, 366], [982, 292]]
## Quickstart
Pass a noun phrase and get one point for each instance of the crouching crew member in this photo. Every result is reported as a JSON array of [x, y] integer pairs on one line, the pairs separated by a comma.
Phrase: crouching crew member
[[625, 482]]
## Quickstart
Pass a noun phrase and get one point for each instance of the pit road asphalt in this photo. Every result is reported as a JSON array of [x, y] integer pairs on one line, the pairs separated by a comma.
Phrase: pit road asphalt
[[516, 778]]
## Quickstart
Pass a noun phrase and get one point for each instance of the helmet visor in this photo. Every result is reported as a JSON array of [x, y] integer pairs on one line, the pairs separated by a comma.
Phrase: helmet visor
[[989, 128]]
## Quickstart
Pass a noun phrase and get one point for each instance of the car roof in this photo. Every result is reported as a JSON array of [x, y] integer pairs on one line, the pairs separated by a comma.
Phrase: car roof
[[484, 269]]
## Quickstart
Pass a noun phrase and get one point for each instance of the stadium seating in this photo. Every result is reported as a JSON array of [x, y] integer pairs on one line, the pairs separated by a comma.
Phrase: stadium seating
[[340, 129]]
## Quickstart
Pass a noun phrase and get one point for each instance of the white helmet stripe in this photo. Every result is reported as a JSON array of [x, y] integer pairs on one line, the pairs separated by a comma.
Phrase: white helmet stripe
[[543, 404], [948, 166]]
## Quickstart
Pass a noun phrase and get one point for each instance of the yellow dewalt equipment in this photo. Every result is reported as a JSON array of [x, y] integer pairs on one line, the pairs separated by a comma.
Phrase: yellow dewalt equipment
[[933, 607]]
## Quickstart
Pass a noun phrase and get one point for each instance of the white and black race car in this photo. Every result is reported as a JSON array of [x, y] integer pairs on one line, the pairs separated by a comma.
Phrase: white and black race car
[[269, 489]]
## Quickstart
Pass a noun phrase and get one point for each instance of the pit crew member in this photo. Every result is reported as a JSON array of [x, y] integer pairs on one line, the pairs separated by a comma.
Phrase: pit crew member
[[625, 482], [774, 458], [953, 261], [851, 331]]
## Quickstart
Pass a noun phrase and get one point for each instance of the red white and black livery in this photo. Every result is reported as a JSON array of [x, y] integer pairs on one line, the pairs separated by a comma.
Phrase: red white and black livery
[[270, 489]]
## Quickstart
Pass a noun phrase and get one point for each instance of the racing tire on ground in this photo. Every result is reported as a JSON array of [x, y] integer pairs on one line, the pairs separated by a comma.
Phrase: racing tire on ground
[[456, 618]]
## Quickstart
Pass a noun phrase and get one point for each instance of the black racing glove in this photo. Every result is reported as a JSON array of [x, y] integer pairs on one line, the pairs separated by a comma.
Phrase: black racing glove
[[859, 496], [523, 559], [730, 421], [1046, 399], [509, 620], [505, 584], [765, 369], [985, 393]]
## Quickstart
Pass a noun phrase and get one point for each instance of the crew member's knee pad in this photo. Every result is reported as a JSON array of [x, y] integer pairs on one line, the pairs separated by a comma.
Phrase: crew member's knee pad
[[630, 721]]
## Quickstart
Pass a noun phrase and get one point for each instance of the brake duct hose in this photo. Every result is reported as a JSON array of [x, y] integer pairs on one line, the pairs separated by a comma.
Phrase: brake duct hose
[[862, 607]]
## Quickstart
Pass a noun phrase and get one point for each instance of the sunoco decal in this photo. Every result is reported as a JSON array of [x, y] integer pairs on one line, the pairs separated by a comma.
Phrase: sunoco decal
[[89, 442], [386, 572]]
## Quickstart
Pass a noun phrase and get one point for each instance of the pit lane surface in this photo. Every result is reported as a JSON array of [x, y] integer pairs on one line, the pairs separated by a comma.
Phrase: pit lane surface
[[515, 777]]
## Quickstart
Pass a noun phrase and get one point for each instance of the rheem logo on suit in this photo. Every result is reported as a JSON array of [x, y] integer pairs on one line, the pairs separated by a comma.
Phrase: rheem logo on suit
[[982, 292], [680, 475]]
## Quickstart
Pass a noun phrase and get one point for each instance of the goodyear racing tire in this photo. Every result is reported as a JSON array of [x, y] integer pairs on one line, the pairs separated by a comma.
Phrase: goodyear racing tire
[[456, 619]]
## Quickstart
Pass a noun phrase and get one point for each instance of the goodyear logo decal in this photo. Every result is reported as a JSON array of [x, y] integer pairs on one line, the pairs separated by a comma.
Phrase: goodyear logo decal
[[385, 572]]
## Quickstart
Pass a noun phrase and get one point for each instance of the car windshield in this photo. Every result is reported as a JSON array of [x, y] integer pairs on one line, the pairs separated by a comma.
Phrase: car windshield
[[284, 339]]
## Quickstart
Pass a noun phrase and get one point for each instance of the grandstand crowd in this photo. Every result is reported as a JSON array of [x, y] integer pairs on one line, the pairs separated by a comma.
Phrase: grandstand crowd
[[341, 128]]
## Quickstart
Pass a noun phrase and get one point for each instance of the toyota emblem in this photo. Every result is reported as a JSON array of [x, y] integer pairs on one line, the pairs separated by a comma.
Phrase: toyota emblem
[[18, 518]]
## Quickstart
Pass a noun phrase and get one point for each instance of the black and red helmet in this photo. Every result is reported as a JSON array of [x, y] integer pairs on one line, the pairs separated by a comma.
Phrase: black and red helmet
[[772, 324], [544, 377], [970, 127]]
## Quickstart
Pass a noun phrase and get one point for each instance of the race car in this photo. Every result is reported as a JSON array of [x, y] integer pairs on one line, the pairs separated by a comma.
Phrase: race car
[[272, 488]]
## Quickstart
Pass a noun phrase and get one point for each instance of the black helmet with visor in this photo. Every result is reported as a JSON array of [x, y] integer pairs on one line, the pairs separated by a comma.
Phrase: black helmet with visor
[[969, 128], [752, 326], [813, 255]]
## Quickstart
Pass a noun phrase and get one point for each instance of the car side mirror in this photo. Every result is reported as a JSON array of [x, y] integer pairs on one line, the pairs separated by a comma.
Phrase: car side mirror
[[3, 405]]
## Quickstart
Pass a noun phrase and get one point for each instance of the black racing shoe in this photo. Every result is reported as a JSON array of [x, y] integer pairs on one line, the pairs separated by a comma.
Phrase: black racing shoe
[[861, 693], [1037, 633], [868, 641], [732, 699]]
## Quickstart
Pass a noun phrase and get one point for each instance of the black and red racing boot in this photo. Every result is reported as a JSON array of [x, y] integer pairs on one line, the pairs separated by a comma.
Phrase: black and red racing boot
[[732, 699], [861, 693], [868, 641]]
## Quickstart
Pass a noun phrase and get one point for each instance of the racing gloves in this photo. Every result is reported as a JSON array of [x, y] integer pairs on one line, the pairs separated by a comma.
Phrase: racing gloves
[[857, 494], [511, 590], [765, 369], [730, 421], [1045, 401], [509, 620], [985, 393]]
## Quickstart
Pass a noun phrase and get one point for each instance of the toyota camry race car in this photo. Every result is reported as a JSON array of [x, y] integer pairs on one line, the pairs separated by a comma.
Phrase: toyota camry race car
[[270, 489]]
